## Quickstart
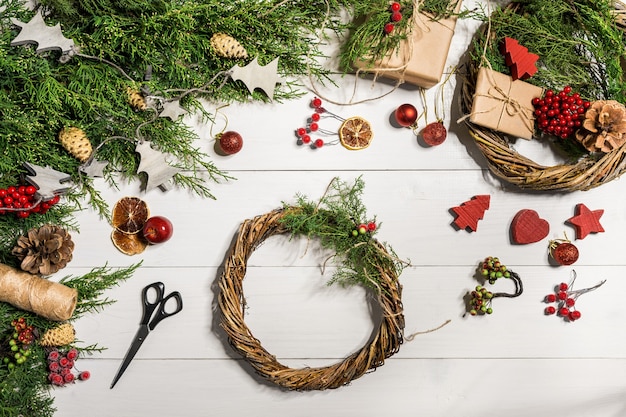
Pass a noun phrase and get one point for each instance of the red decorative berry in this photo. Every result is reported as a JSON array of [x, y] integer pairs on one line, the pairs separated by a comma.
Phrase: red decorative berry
[[84, 375], [563, 286], [550, 310], [396, 16], [306, 139], [395, 6], [68, 378], [72, 354], [54, 367], [569, 302], [315, 117], [564, 311], [371, 226], [316, 102], [561, 295], [313, 127], [319, 143], [388, 28], [301, 131], [574, 315], [550, 298]]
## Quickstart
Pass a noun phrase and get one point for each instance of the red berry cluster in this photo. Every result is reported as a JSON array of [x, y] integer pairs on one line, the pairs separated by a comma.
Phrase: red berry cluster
[[20, 342], [303, 133], [560, 113], [492, 269], [395, 17], [480, 301], [364, 228], [566, 301], [22, 201], [60, 367]]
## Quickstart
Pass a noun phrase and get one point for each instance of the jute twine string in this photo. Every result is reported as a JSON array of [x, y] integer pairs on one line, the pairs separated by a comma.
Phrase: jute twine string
[[29, 292], [511, 167], [385, 340]]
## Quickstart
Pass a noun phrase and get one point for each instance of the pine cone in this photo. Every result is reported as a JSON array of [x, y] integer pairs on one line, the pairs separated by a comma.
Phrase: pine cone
[[44, 250], [61, 335], [136, 99], [76, 142], [227, 47], [604, 127]]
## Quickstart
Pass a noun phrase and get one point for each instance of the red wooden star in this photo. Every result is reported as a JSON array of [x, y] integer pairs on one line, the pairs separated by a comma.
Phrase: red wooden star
[[586, 221]]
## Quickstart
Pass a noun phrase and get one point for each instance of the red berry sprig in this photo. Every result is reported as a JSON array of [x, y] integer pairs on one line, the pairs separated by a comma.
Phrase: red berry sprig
[[560, 113], [304, 133], [564, 298], [23, 201], [395, 17], [60, 365]]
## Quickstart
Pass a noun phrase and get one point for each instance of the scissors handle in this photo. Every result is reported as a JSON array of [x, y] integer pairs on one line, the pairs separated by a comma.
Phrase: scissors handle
[[159, 304]]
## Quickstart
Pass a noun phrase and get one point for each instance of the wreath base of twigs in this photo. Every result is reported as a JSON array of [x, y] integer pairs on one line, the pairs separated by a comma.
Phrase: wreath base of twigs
[[508, 165], [385, 341]]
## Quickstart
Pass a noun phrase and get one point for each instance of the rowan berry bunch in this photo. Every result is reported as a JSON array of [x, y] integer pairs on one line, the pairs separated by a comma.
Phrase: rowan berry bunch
[[61, 365], [23, 201], [564, 298], [560, 113], [19, 343], [395, 16], [492, 269], [480, 301]]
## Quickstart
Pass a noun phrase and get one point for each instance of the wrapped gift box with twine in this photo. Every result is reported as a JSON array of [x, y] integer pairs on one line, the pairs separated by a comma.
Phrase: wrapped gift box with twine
[[409, 63], [503, 104]]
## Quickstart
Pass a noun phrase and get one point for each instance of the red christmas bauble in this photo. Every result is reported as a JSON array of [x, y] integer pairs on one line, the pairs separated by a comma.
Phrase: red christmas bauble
[[230, 142], [565, 253], [434, 134], [406, 115]]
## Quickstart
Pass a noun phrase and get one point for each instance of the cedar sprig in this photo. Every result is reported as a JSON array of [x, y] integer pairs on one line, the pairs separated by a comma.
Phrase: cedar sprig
[[332, 220]]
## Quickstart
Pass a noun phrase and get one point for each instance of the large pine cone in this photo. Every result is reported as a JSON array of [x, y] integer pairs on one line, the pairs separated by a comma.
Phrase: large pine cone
[[44, 250], [604, 128], [62, 335]]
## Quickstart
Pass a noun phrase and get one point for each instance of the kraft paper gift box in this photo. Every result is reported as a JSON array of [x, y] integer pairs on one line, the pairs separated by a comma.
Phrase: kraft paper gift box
[[421, 58], [504, 105]]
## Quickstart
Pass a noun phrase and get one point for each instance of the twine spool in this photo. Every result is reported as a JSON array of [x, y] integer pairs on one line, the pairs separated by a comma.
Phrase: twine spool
[[29, 292]]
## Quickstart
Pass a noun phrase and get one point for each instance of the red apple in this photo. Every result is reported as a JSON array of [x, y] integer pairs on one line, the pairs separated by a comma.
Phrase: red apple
[[157, 229]]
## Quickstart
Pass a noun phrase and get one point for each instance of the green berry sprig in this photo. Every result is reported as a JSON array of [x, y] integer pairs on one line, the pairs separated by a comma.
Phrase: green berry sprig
[[19, 343], [492, 269], [480, 301]]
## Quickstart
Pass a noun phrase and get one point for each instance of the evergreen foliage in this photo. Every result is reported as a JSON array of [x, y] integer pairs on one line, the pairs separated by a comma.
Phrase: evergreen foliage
[[332, 220]]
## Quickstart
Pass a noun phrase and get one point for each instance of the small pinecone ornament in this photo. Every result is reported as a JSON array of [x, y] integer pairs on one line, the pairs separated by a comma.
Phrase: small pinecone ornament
[[76, 142], [62, 335], [44, 250], [136, 99], [604, 127], [228, 47]]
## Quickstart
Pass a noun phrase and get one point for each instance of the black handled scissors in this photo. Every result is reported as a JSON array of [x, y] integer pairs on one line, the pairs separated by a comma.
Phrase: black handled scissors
[[149, 320]]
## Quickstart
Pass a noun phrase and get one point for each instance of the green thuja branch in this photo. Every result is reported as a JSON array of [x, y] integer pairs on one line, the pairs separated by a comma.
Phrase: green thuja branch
[[335, 221]]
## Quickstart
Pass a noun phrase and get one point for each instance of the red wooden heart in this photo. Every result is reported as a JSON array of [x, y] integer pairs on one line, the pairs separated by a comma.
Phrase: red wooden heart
[[528, 227]]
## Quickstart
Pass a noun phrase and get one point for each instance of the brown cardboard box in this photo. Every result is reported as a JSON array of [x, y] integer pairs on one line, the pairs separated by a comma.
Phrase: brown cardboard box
[[419, 60], [503, 104]]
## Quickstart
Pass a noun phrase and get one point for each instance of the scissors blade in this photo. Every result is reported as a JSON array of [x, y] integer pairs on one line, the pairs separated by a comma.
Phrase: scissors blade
[[141, 335]]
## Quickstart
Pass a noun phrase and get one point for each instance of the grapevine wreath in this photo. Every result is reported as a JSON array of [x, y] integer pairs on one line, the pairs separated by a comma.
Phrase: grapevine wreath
[[337, 221], [580, 49]]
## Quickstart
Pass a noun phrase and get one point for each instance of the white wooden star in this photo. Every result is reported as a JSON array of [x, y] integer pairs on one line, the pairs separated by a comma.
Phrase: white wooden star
[[172, 110], [46, 37], [94, 168], [47, 181], [155, 165]]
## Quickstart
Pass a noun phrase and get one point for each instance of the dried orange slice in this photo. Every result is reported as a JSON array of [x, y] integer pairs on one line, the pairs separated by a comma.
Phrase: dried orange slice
[[355, 133], [128, 244], [129, 215]]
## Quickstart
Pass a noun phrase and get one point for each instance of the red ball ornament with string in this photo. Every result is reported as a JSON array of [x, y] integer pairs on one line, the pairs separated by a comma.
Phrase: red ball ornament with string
[[434, 133], [406, 115], [230, 142]]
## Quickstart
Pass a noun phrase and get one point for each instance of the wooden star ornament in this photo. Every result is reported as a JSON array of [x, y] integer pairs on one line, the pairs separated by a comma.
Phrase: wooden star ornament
[[38, 32], [156, 166], [586, 221], [173, 110]]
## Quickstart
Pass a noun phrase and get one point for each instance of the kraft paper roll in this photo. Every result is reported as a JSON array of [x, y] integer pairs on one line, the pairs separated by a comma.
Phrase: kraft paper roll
[[29, 292]]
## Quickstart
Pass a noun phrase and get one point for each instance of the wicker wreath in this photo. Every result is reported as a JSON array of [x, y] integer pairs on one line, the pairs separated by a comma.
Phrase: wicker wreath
[[384, 342], [505, 163]]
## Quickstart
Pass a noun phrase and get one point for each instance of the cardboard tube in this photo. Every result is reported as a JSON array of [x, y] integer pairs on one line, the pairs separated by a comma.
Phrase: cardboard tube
[[29, 292]]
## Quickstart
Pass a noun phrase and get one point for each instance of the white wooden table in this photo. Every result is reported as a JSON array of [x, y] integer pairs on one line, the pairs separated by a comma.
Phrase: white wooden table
[[516, 362]]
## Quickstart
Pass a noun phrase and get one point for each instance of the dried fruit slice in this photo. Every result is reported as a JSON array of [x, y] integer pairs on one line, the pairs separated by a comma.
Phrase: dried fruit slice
[[128, 244], [355, 133], [129, 215]]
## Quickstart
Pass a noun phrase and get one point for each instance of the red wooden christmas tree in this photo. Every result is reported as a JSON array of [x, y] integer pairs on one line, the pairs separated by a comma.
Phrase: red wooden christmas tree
[[518, 59], [469, 212]]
